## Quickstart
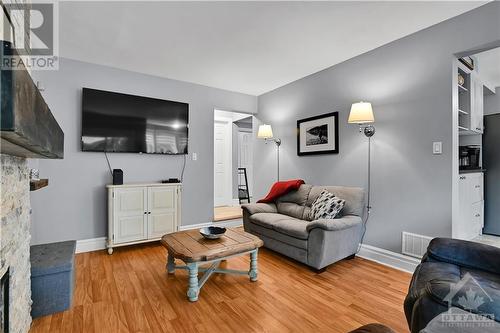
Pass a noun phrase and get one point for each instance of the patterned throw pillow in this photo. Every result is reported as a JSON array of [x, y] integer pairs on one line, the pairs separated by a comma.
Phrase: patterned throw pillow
[[326, 206]]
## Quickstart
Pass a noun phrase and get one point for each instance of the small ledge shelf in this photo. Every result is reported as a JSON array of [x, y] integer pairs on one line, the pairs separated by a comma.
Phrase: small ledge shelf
[[462, 112], [38, 184], [462, 88], [461, 128]]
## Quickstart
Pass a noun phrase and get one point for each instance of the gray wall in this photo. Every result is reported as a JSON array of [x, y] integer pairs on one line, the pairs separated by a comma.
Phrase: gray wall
[[409, 83], [73, 206], [492, 102]]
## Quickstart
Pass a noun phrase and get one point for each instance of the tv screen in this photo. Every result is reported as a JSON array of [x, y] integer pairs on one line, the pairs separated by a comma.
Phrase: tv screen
[[114, 122]]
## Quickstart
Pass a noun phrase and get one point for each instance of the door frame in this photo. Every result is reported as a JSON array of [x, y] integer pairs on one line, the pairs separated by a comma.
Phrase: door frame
[[228, 197], [250, 180]]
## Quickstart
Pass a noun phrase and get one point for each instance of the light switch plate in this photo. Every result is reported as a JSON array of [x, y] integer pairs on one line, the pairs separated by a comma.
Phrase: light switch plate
[[195, 156], [437, 148]]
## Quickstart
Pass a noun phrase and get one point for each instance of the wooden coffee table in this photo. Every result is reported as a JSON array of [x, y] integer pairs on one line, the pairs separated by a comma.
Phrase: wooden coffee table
[[192, 248]]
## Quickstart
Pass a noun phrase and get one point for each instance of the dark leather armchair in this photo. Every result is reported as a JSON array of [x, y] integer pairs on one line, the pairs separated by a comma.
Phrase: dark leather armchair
[[454, 273]]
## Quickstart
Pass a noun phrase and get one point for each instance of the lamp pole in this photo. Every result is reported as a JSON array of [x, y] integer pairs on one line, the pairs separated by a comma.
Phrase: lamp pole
[[369, 131], [278, 144]]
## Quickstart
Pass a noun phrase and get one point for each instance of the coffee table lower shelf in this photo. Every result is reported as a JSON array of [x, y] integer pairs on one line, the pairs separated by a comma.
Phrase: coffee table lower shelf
[[194, 268]]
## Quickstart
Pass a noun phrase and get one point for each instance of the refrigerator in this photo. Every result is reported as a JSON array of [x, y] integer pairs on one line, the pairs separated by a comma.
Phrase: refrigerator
[[491, 162]]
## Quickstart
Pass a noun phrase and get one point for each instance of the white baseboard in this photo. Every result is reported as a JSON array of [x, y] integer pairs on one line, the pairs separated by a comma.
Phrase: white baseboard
[[226, 224], [195, 226], [381, 256], [97, 244], [92, 244], [389, 258]]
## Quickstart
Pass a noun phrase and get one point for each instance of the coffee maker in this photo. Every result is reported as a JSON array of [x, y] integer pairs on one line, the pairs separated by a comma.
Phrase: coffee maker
[[470, 157]]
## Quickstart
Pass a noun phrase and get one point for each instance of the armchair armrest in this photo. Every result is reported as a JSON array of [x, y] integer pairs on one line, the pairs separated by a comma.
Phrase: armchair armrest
[[342, 223], [255, 208], [465, 254]]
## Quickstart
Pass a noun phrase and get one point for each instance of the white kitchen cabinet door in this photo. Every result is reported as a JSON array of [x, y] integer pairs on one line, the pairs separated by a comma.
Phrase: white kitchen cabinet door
[[477, 111], [162, 204], [130, 214]]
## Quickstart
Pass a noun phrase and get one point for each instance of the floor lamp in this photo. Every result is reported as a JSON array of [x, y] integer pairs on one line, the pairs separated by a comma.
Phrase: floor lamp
[[266, 132], [362, 114]]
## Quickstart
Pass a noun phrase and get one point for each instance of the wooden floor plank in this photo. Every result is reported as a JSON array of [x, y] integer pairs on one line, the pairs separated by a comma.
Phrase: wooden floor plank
[[130, 291]]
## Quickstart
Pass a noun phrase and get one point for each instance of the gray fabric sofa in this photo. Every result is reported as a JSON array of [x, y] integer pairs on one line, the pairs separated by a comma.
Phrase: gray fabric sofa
[[285, 225]]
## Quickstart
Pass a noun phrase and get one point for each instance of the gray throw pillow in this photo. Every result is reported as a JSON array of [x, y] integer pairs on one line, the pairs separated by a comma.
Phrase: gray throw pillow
[[326, 206]]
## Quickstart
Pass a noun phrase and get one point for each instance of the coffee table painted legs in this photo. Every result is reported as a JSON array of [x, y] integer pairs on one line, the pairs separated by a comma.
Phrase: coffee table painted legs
[[193, 268], [253, 265], [170, 264], [193, 289]]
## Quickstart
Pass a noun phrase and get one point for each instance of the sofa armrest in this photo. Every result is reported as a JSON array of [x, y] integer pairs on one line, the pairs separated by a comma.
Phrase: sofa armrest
[[465, 254], [345, 222], [255, 208]]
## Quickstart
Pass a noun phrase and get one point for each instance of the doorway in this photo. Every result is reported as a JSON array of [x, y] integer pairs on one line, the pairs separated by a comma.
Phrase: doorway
[[233, 163], [476, 124]]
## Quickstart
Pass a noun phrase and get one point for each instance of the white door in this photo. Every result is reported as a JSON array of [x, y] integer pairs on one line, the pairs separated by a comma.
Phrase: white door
[[130, 214], [162, 202], [222, 162], [477, 112], [245, 154]]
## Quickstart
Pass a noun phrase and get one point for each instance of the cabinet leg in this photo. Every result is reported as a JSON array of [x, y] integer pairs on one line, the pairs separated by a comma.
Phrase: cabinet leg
[[253, 266], [170, 264], [193, 289], [110, 250]]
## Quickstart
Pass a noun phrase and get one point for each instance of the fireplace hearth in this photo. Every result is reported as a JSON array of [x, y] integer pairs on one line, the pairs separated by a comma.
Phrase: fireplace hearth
[[4, 303]]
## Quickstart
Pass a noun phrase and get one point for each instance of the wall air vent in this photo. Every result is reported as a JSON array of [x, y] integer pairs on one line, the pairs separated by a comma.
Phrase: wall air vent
[[415, 245]]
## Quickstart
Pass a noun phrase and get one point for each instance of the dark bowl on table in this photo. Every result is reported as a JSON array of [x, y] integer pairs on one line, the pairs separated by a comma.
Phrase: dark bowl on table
[[212, 232]]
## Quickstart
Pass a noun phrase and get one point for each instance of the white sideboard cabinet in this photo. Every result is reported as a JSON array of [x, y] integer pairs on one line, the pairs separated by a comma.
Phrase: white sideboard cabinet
[[471, 200], [139, 213]]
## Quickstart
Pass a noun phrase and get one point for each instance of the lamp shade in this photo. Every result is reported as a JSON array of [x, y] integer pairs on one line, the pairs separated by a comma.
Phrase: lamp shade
[[361, 113], [265, 132]]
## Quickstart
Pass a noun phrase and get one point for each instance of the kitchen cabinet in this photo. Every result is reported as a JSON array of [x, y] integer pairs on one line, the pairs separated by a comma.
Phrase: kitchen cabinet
[[471, 201]]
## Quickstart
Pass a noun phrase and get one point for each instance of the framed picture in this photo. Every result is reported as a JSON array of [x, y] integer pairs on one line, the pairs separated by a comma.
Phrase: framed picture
[[318, 135]]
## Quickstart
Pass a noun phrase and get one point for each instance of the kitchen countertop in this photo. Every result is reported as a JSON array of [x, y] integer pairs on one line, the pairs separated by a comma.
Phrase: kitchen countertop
[[471, 171]]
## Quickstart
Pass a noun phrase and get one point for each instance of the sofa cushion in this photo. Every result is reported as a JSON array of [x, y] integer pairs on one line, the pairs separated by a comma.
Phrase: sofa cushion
[[292, 203], [282, 223], [267, 220], [326, 206], [354, 199], [435, 280], [277, 236], [293, 227], [290, 209]]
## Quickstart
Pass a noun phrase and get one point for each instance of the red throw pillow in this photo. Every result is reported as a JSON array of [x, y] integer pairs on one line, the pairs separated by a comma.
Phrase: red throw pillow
[[281, 188]]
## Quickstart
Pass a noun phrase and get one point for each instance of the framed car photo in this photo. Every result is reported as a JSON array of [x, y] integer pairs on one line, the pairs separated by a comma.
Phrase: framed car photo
[[318, 135]]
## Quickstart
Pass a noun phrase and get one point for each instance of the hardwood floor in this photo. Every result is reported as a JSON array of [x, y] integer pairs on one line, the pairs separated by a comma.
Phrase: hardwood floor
[[224, 213], [130, 291]]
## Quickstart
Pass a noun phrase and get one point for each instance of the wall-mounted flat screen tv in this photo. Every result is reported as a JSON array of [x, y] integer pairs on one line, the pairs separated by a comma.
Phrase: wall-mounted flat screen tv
[[115, 122]]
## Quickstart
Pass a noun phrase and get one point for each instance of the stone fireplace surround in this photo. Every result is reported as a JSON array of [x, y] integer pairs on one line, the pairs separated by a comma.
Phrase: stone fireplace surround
[[15, 239]]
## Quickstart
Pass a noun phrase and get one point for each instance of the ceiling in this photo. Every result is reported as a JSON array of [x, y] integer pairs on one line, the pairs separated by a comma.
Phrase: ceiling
[[488, 64], [249, 47]]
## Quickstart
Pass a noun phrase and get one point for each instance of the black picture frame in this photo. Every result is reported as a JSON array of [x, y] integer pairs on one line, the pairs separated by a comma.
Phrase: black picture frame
[[335, 147]]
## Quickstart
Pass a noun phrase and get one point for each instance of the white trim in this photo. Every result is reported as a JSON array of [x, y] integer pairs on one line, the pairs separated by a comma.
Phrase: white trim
[[97, 244], [236, 202], [228, 123], [195, 226], [389, 258], [226, 224], [92, 244]]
